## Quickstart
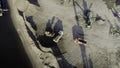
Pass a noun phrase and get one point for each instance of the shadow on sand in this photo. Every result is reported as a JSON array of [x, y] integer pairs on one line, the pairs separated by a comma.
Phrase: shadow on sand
[[85, 10], [35, 2], [30, 33], [32, 23], [79, 33], [48, 42]]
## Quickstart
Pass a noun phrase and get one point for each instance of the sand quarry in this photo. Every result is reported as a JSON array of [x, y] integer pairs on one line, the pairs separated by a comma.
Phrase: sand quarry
[[102, 48]]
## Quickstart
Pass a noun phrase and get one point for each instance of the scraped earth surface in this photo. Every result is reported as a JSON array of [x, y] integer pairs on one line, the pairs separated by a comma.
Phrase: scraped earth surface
[[102, 49]]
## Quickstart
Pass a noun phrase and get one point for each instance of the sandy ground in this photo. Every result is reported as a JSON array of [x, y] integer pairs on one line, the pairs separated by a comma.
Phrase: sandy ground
[[39, 57], [102, 49]]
